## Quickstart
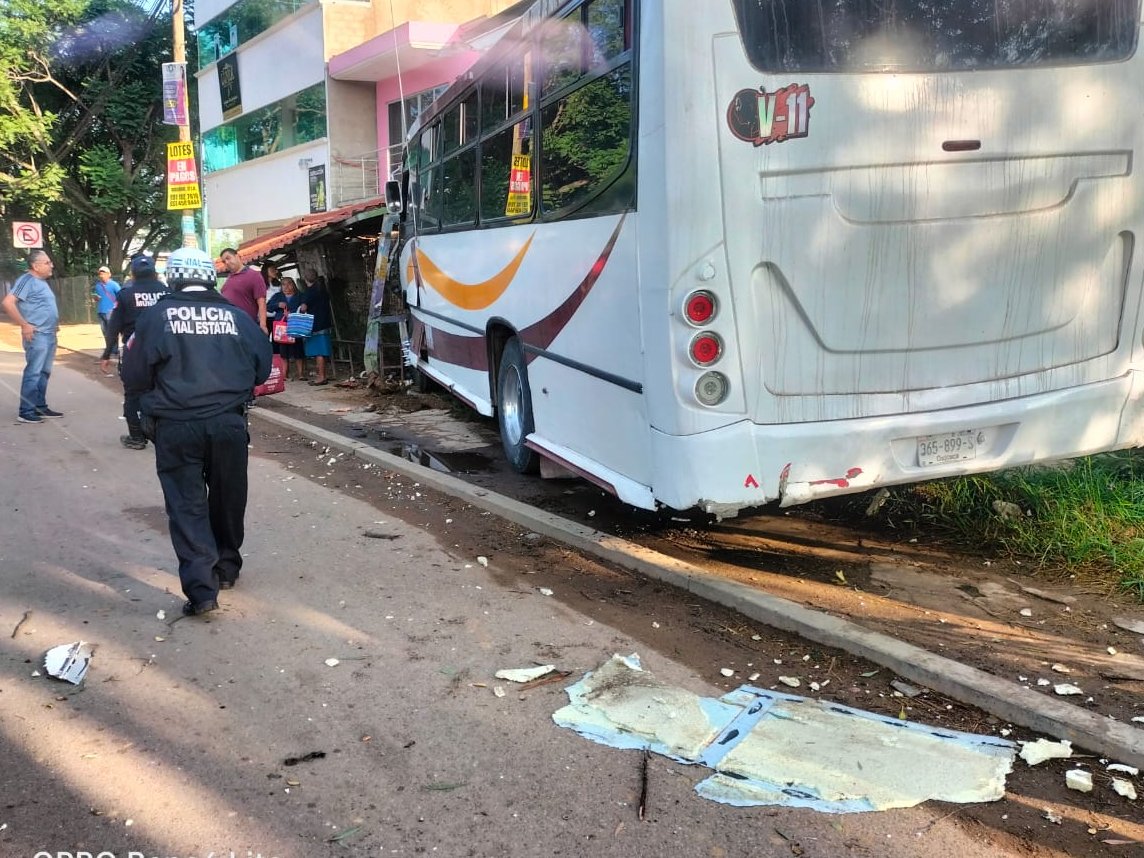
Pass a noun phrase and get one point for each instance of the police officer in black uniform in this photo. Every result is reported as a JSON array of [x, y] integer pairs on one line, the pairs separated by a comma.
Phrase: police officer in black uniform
[[142, 291], [195, 358]]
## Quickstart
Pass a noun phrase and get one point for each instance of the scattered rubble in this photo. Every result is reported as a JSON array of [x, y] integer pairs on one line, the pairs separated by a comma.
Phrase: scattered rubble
[[1079, 780], [1037, 752]]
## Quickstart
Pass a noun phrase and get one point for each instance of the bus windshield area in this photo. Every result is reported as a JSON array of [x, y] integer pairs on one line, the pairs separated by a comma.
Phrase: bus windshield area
[[934, 35]]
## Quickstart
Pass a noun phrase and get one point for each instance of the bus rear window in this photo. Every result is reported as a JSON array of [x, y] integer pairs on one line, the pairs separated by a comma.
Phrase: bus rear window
[[934, 35]]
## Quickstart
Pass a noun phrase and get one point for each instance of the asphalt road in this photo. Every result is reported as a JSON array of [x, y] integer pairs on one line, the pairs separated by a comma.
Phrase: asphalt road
[[175, 744]]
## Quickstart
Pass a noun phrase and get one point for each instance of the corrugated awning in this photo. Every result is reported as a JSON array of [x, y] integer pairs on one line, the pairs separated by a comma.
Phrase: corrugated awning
[[303, 227]]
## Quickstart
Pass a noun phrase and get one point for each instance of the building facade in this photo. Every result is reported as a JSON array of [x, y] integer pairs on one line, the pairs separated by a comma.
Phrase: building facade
[[303, 103]]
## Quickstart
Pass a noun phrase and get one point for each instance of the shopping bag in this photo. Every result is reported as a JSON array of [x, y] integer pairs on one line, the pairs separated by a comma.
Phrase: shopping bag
[[279, 334], [300, 324], [276, 382]]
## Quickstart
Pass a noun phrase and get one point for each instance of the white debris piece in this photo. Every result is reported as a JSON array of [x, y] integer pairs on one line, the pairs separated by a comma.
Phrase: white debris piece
[[1139, 719], [1043, 682], [754, 677], [525, 674], [1112, 650], [1054, 818], [544, 591], [726, 671], [162, 615], [484, 561], [332, 662], [1078, 779], [1125, 788], [498, 691], [1066, 690], [1060, 668], [1120, 767], [68, 662], [1026, 612], [1037, 752], [792, 681]]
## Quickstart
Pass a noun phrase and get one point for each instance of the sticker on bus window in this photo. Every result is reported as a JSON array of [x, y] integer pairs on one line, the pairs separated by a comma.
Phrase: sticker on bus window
[[762, 117]]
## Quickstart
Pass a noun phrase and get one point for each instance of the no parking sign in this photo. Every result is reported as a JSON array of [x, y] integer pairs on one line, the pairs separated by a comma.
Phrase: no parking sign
[[27, 234]]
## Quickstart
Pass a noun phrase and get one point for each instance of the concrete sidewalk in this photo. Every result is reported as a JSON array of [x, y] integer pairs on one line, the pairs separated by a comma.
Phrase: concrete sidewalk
[[1008, 700]]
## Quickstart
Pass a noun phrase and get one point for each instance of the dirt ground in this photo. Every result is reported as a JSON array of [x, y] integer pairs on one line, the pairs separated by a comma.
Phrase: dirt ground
[[967, 606]]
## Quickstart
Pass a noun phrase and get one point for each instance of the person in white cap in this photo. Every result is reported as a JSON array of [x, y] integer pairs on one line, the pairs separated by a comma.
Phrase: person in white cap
[[105, 291]]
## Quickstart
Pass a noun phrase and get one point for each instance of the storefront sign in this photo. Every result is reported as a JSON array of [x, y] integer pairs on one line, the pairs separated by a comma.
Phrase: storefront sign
[[317, 189], [229, 89]]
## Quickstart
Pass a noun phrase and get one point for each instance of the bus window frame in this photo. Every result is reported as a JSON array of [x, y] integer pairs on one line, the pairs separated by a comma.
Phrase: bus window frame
[[528, 50]]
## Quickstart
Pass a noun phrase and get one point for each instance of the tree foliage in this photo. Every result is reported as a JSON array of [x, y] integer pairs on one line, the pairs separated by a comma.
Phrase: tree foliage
[[82, 144]]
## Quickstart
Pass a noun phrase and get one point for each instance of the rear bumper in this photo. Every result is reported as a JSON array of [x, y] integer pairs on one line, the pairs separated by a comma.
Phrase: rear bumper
[[748, 464]]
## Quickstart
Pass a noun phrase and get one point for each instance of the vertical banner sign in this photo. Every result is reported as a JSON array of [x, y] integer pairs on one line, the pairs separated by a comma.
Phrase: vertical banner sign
[[182, 177], [519, 186], [317, 189], [175, 94], [229, 90]]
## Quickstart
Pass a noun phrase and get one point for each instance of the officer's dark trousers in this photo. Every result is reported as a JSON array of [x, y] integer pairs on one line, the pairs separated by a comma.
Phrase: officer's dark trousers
[[131, 408], [202, 469]]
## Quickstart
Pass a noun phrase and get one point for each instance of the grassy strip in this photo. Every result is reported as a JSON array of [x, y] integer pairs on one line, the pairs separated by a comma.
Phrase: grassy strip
[[1086, 515]]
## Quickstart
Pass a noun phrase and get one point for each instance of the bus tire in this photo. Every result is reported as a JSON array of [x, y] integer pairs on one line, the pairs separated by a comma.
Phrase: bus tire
[[514, 409]]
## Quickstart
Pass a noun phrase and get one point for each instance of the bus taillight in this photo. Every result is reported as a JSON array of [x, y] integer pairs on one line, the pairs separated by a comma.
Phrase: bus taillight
[[712, 388], [706, 348], [700, 307]]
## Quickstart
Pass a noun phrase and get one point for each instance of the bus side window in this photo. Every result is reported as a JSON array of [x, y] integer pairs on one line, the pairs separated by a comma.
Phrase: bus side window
[[608, 30], [585, 142], [424, 187], [494, 99], [506, 173], [459, 189], [562, 51], [459, 127]]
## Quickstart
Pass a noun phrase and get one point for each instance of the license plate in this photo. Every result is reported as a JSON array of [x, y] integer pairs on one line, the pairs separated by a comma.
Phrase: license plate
[[950, 447]]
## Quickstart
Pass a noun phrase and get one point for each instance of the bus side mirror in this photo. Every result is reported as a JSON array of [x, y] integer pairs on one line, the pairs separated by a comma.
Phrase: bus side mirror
[[393, 195]]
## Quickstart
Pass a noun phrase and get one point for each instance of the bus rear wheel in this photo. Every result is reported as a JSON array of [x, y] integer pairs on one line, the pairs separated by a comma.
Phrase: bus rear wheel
[[514, 409]]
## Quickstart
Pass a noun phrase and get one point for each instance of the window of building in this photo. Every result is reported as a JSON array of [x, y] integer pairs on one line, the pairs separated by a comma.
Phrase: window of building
[[296, 119], [241, 23]]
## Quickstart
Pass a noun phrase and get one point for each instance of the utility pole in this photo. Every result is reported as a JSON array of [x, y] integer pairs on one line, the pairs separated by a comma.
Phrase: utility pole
[[190, 238]]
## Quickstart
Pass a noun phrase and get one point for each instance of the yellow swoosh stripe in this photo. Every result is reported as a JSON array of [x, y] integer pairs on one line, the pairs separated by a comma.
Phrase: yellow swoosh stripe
[[470, 296]]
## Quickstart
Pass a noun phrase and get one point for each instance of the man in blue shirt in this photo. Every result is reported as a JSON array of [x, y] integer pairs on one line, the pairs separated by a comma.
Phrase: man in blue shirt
[[106, 292], [31, 305]]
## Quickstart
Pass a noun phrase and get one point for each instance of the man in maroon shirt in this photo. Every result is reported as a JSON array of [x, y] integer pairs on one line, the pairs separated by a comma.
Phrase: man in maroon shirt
[[244, 287]]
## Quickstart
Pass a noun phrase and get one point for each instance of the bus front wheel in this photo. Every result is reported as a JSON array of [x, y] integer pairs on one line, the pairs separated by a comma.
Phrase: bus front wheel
[[514, 409]]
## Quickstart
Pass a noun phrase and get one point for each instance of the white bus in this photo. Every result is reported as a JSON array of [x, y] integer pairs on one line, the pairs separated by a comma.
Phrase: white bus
[[723, 253]]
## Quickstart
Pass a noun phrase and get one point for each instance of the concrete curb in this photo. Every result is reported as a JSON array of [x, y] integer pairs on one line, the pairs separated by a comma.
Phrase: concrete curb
[[1017, 704]]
